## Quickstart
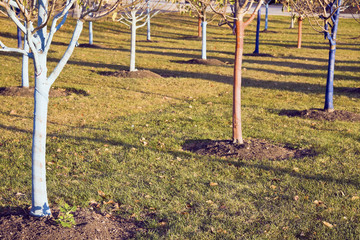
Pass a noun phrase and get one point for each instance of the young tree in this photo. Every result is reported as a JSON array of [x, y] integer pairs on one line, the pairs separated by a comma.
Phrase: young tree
[[241, 7], [201, 8], [136, 16], [36, 17], [324, 17]]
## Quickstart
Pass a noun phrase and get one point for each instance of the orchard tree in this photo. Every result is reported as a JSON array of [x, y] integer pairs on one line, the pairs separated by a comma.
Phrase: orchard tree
[[135, 16], [201, 8], [237, 21], [33, 22], [324, 17]]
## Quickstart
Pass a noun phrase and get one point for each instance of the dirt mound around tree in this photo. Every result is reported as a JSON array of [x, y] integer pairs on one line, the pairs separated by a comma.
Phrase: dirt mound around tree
[[29, 92], [131, 74], [319, 114], [212, 62], [89, 225], [251, 149]]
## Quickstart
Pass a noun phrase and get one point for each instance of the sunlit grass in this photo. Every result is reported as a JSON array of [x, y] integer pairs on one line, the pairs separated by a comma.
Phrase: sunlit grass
[[126, 137]]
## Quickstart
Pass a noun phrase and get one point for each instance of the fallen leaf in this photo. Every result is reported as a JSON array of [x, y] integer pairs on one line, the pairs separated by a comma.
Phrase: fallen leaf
[[355, 198], [296, 197], [213, 184], [101, 194], [329, 225], [273, 186]]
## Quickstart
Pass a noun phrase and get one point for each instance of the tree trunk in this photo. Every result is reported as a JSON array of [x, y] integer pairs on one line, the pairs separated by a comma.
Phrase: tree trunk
[[90, 33], [292, 21], [199, 26], [300, 20], [133, 41], [237, 131], [329, 107], [203, 47], [148, 37], [40, 206], [25, 66], [257, 32], [266, 16]]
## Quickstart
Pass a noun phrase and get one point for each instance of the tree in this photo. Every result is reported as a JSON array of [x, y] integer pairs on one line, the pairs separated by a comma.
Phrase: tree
[[241, 7], [200, 7], [299, 8], [136, 16], [39, 41], [324, 18]]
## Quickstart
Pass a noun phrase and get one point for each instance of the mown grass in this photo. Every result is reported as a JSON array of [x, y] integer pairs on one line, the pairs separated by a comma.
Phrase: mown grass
[[126, 137]]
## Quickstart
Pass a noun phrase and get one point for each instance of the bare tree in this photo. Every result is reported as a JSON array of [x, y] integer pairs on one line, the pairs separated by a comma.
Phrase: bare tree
[[323, 16], [236, 21], [33, 22]]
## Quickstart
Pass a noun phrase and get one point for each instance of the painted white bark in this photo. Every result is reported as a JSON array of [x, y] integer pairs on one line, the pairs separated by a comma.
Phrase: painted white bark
[[133, 41], [25, 66], [203, 46], [90, 33]]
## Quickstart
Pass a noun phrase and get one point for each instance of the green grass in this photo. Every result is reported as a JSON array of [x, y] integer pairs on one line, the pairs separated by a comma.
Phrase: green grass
[[126, 137]]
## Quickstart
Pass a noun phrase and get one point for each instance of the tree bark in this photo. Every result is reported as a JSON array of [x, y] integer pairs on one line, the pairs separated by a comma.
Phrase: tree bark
[[237, 130], [133, 41], [203, 46], [90, 33], [329, 106], [300, 21], [199, 26], [40, 206], [257, 40]]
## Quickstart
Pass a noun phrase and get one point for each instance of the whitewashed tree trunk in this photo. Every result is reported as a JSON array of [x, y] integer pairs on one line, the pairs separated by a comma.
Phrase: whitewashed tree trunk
[[203, 47], [25, 66], [133, 41]]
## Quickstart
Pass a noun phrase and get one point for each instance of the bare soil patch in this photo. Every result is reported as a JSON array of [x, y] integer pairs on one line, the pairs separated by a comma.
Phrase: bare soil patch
[[17, 224], [29, 92], [319, 114], [131, 74], [212, 62], [251, 149]]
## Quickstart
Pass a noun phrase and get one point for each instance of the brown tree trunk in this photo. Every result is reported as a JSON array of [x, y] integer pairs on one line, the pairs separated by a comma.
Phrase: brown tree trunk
[[300, 20], [199, 27], [237, 131]]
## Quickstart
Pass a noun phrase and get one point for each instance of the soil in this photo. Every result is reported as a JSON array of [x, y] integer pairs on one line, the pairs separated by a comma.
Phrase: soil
[[17, 224], [131, 74], [251, 149], [212, 62], [29, 92], [319, 114]]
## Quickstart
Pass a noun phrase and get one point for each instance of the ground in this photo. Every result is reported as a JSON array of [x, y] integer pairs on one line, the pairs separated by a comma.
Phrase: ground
[[17, 224]]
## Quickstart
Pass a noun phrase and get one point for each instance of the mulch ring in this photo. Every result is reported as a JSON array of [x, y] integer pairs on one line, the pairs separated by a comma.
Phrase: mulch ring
[[131, 74], [89, 225], [29, 92], [251, 149], [319, 114], [212, 62]]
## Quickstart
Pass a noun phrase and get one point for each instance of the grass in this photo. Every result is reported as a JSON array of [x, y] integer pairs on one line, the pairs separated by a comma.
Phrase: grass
[[125, 139]]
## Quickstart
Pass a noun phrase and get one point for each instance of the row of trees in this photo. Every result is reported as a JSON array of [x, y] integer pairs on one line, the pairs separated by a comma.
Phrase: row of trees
[[33, 18]]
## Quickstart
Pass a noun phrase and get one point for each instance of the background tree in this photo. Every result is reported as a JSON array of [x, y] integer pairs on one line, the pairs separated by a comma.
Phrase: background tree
[[36, 16], [136, 16], [324, 18], [200, 8], [236, 20]]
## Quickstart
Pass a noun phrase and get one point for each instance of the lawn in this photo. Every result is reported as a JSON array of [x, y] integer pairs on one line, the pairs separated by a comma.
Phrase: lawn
[[124, 138]]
